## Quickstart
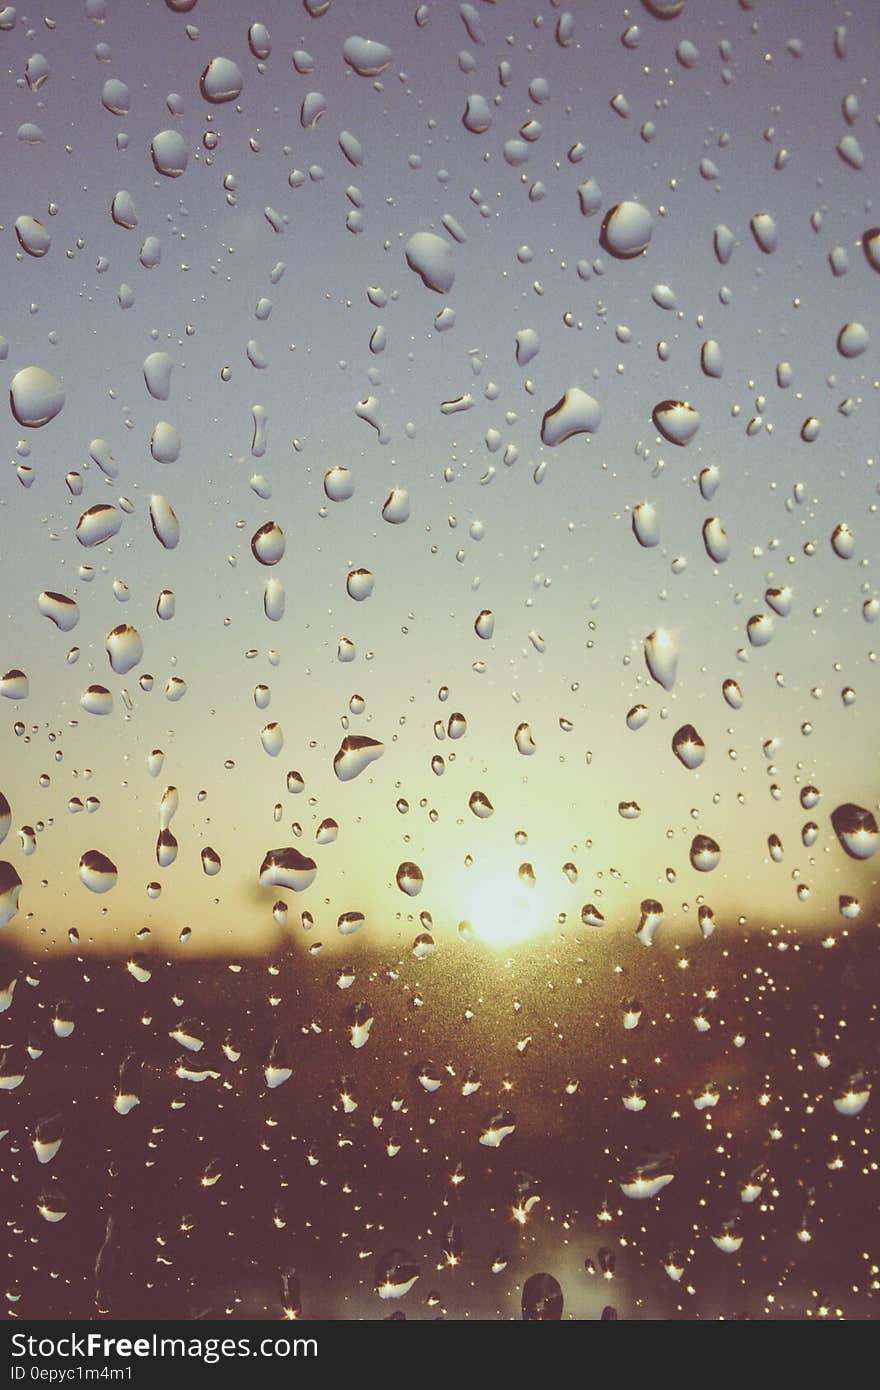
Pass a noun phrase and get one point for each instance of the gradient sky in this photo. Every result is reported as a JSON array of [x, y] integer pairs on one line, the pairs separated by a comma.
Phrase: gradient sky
[[553, 554]]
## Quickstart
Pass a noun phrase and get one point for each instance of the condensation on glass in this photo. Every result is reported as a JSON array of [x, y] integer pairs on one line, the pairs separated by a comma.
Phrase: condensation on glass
[[439, 777]]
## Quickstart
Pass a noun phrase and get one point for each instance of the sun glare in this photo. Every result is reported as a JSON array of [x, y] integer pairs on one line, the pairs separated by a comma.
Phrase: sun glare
[[504, 913]]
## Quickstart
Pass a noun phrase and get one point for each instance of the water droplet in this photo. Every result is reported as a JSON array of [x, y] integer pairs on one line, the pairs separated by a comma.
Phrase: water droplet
[[496, 1128], [272, 739], [397, 506], [477, 116], [396, 1272], [61, 610], [856, 829], [287, 868], [367, 57], [852, 340], [760, 629], [575, 412], [524, 741], [97, 699], [677, 421], [661, 657], [765, 232], [410, 879], [626, 230], [35, 397], [843, 542], [97, 872], [33, 237], [705, 853], [10, 888], [650, 920], [715, 540], [355, 754], [220, 81], [359, 584], [165, 442], [166, 527], [169, 153], [157, 375], [480, 804], [688, 747], [711, 359], [484, 625], [431, 259], [645, 1181], [644, 524], [542, 1299], [125, 648], [268, 543]]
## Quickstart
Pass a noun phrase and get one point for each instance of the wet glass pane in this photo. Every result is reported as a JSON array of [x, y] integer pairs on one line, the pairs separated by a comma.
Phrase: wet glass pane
[[439, 772]]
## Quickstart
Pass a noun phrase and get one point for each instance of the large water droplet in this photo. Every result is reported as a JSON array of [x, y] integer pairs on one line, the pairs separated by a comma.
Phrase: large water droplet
[[367, 57], [169, 153], [268, 543], [677, 421], [705, 853], [61, 610], [856, 829], [542, 1299], [287, 868], [688, 747], [125, 648], [35, 397], [220, 81], [431, 259], [97, 872], [574, 413], [626, 231], [661, 657], [356, 752]]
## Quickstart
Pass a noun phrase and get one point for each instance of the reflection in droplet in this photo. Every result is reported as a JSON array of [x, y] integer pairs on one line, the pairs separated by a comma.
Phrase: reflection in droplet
[[650, 920], [97, 872], [287, 868], [688, 747], [355, 754], [705, 853], [396, 1272], [856, 829]]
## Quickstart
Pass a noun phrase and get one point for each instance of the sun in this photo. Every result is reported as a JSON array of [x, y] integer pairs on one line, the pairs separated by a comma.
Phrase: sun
[[505, 911]]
